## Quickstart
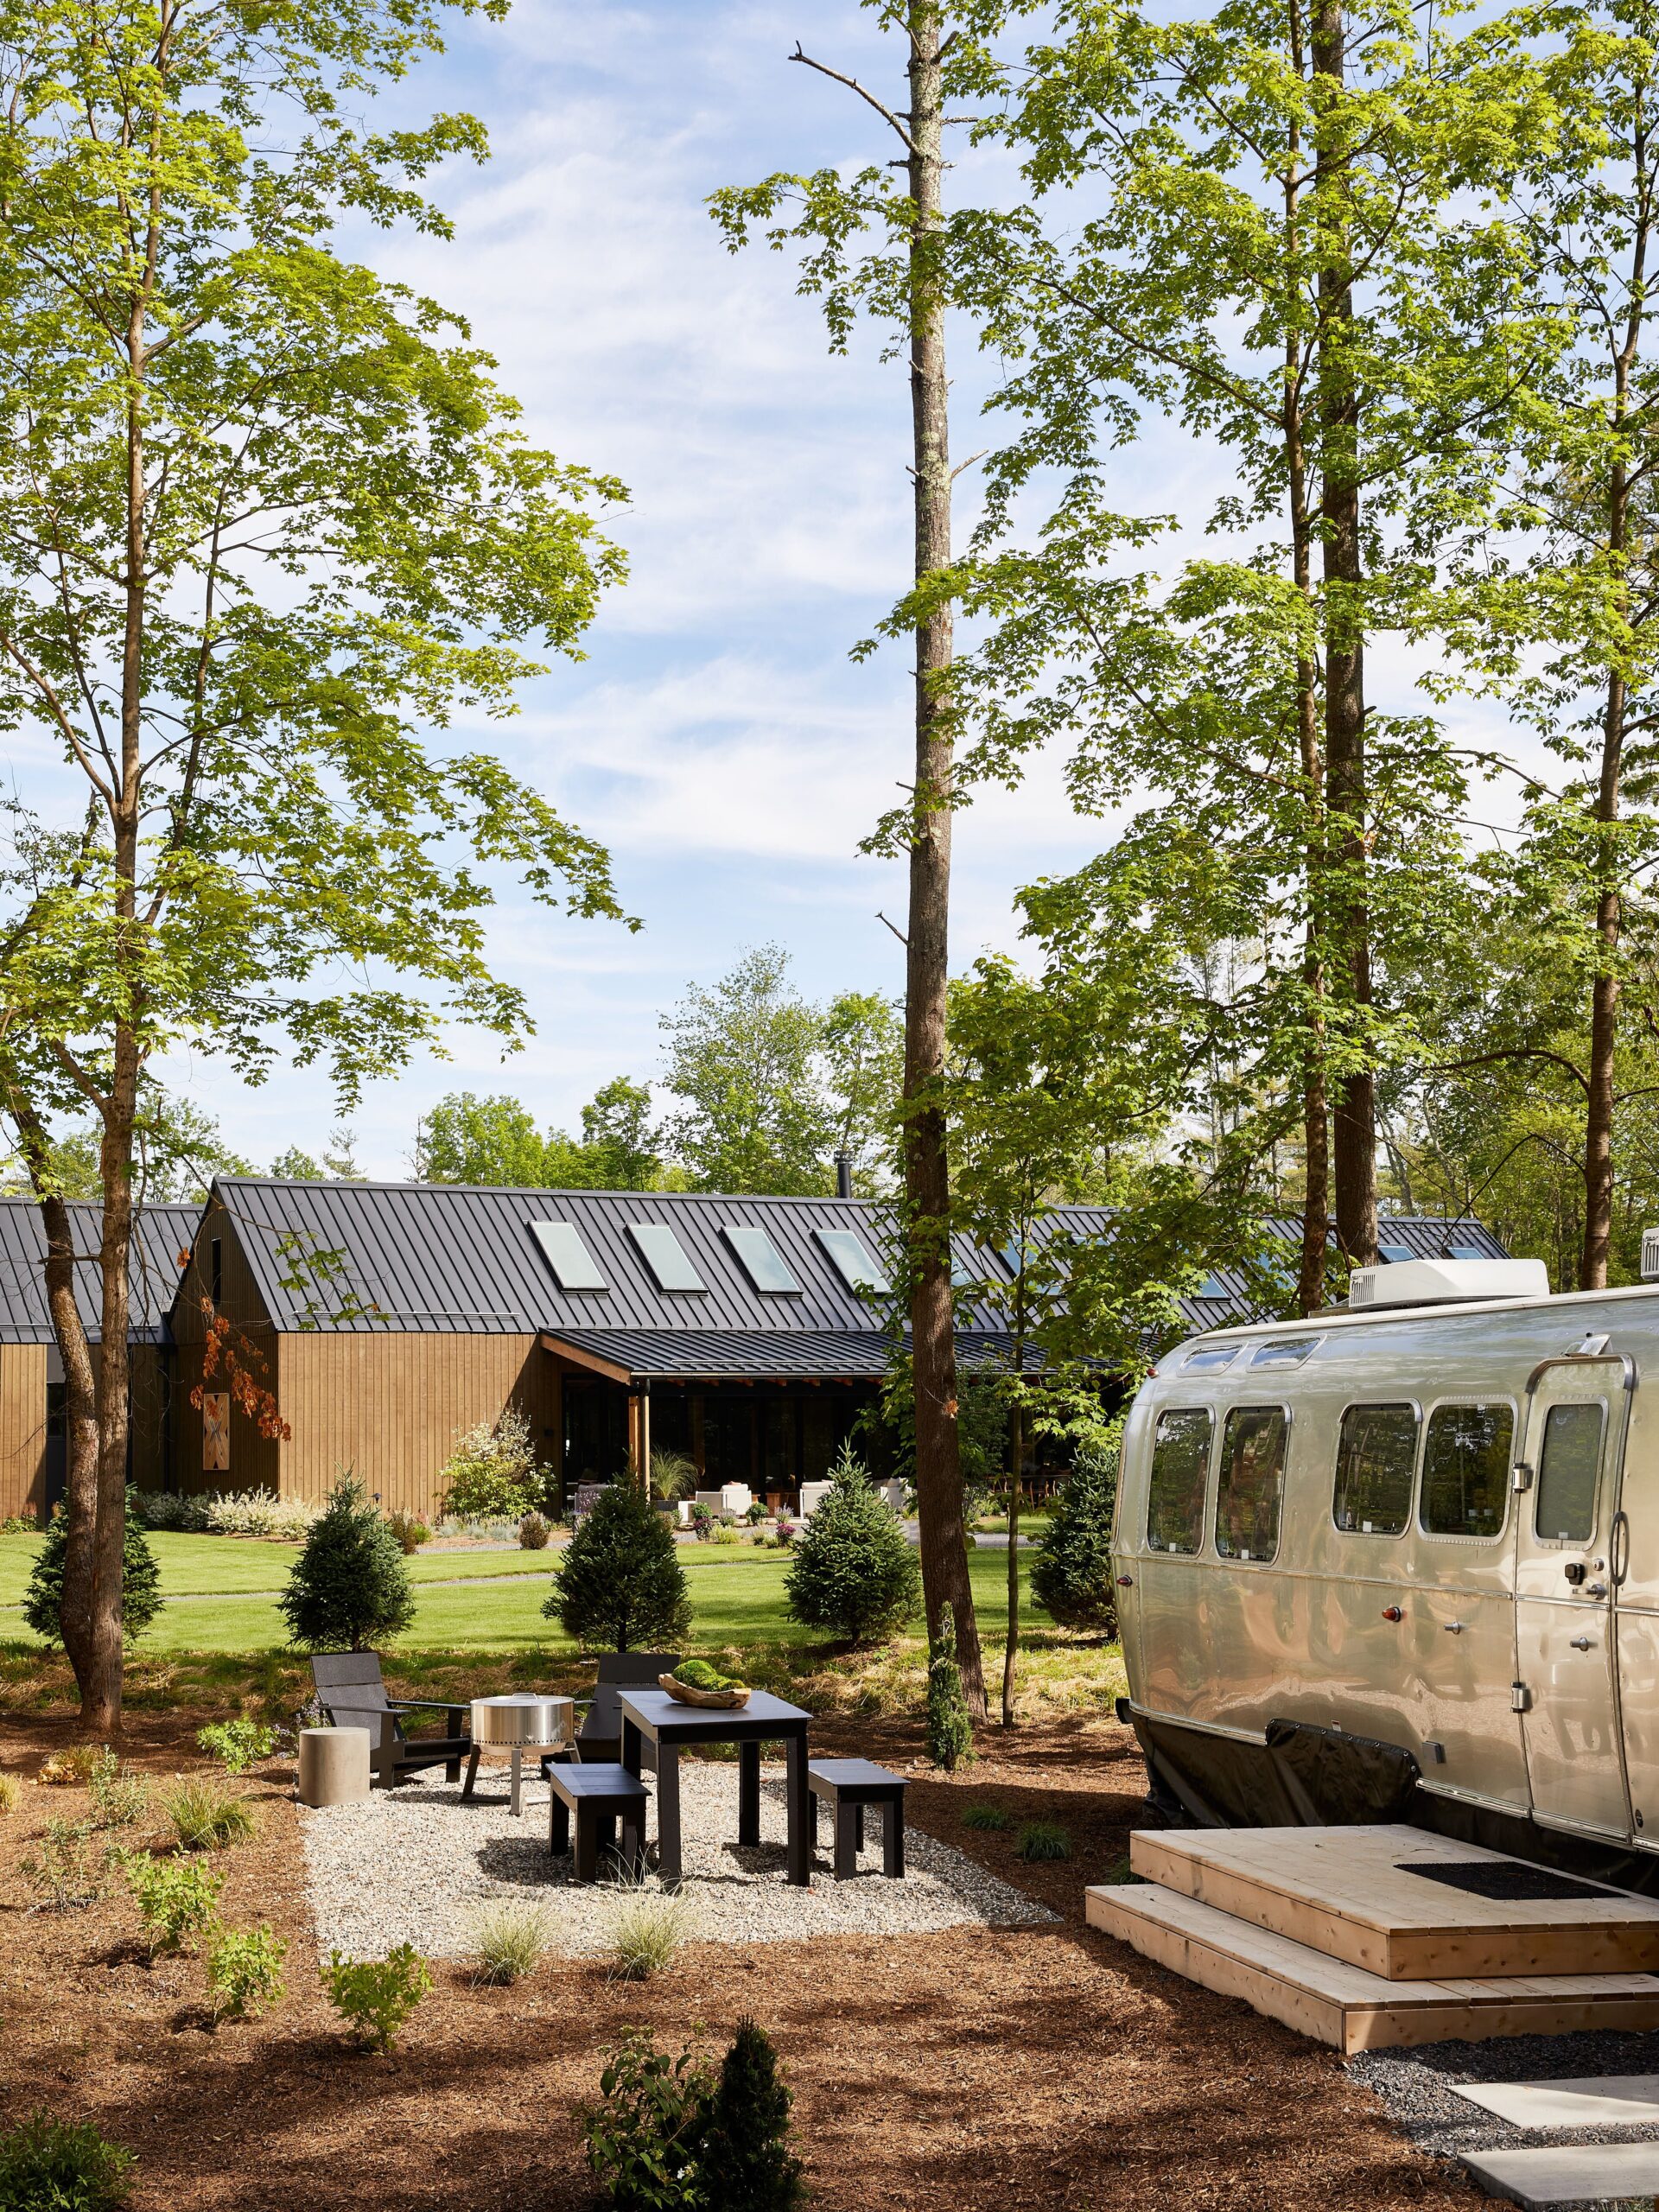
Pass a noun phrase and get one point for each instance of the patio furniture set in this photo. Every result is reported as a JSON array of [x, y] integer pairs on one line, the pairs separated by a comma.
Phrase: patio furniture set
[[594, 1772]]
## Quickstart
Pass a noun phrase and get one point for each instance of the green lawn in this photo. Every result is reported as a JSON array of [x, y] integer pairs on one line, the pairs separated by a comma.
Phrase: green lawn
[[203, 1566]]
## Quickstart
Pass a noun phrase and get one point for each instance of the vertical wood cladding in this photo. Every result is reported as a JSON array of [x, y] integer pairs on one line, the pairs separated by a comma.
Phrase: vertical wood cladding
[[389, 1405], [23, 1429], [256, 1460]]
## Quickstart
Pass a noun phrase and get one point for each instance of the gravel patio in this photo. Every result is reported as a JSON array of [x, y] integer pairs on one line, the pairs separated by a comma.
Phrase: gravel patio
[[417, 1865]]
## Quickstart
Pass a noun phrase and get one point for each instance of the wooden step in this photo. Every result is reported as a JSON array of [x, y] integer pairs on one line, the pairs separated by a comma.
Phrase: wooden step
[[1589, 2173], [1343, 2004], [1341, 1891]]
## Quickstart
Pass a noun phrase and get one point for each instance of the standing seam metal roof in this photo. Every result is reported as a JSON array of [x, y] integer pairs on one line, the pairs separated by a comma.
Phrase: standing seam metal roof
[[161, 1234]]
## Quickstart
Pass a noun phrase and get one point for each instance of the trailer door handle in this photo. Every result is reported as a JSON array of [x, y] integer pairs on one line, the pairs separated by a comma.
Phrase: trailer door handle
[[1580, 1644], [1126, 1582], [1454, 1628]]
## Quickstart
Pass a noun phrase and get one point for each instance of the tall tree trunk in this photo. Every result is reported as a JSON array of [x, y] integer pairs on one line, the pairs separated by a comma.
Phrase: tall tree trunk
[[927, 1180], [1354, 1131]]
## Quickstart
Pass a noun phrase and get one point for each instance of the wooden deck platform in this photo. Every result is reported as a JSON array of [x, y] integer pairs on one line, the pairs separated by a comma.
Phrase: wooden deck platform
[[1342, 1891], [1347, 2005]]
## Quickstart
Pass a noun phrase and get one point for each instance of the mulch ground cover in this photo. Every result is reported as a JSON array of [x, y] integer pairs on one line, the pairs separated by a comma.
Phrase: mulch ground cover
[[972, 2071]]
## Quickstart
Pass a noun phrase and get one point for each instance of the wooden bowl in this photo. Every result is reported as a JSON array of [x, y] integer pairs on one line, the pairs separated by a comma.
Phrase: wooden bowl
[[712, 1701]]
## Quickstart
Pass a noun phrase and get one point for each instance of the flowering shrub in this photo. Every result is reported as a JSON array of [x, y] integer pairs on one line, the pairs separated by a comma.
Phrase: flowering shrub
[[493, 1472]]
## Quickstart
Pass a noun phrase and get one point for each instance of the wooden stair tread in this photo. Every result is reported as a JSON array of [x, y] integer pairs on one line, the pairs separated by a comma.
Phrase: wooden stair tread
[[1342, 1891], [1339, 2002]]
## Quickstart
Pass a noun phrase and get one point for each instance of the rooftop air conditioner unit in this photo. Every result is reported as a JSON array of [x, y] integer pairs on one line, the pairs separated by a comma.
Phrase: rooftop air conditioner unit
[[1446, 1282], [1650, 1255]]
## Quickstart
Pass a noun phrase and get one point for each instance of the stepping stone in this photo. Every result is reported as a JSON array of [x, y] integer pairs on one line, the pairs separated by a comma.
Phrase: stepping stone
[[1588, 2173], [1595, 2101]]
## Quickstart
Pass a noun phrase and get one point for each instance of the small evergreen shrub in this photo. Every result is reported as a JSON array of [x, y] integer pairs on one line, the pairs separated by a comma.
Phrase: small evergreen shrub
[[244, 1972], [375, 1997], [1071, 1574], [509, 1939], [409, 1530], [621, 1585], [58, 2165], [1042, 1840], [160, 1509], [237, 1745], [745, 2161], [645, 2137], [854, 1571], [349, 1589], [647, 1931], [120, 1797], [534, 1532], [988, 1819], [11, 1793], [492, 1474], [208, 1818], [141, 1582], [20, 1524], [178, 1899], [69, 1866], [949, 1724]]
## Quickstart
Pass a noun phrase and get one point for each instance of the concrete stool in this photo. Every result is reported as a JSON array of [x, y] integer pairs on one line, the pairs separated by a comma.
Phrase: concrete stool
[[334, 1765], [847, 1786], [596, 1795]]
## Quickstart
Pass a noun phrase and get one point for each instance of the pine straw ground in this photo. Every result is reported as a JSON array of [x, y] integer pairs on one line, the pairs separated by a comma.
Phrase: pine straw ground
[[966, 2072]]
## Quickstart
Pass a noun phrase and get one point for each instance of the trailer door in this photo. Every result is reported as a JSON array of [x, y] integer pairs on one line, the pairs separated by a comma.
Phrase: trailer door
[[1578, 1410]]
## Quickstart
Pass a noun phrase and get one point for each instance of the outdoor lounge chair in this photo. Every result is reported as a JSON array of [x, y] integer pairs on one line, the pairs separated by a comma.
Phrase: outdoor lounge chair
[[353, 1695], [599, 1739]]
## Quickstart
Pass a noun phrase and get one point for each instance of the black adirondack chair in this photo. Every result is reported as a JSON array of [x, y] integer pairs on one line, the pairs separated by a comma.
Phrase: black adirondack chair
[[351, 1694], [599, 1739]]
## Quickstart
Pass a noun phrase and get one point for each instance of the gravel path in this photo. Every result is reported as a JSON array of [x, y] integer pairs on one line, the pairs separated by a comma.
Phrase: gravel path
[[1415, 2086], [415, 1864]]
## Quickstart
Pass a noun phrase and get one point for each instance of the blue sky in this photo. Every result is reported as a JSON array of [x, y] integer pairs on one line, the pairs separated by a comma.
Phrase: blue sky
[[717, 736]]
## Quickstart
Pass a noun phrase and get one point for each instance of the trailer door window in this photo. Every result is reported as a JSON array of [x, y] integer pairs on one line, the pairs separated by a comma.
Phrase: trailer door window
[[1180, 1466], [1376, 1458], [1466, 1469], [1568, 1465], [1252, 1483]]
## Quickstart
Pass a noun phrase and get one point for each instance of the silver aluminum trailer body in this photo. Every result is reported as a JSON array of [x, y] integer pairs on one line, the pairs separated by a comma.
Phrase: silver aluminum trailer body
[[1432, 1527]]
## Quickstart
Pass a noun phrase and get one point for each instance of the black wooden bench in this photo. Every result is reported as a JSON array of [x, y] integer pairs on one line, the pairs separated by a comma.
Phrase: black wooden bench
[[598, 1795], [847, 1786]]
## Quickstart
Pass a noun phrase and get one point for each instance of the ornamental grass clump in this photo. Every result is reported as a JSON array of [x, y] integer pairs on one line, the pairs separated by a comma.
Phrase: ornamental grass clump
[[244, 1972], [375, 1997], [208, 1818], [1039, 1841], [11, 1793], [508, 1942], [620, 1585], [349, 1589], [988, 1819], [645, 1934], [60, 2165], [854, 1571], [178, 1900]]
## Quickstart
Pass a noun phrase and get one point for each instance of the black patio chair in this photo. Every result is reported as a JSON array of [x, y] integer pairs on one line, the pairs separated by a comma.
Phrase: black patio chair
[[599, 1739], [353, 1695]]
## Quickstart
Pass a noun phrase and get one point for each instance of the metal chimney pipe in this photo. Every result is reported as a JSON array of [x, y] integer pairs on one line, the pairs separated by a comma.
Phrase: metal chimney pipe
[[843, 1174]]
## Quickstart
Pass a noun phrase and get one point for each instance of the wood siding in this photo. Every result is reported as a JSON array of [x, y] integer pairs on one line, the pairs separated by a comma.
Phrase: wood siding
[[23, 1429], [256, 1460], [389, 1405]]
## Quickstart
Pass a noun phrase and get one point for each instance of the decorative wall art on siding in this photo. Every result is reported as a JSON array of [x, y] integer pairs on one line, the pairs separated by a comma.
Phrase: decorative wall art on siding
[[215, 1431]]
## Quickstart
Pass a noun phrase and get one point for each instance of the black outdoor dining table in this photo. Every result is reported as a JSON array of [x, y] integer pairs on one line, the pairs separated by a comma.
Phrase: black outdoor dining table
[[764, 1719]]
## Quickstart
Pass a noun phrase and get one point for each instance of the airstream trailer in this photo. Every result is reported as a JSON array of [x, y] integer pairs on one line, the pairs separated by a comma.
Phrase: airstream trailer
[[1401, 1560]]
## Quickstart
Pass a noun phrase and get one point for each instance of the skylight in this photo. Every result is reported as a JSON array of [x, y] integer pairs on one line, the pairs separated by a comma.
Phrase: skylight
[[852, 1263], [665, 1256], [1465, 1252], [1393, 1253], [566, 1252], [764, 1264]]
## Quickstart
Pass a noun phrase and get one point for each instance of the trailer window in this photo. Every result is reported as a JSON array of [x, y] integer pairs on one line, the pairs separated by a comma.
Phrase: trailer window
[[1252, 1483], [1466, 1469], [1376, 1458], [1568, 1465], [1180, 1466]]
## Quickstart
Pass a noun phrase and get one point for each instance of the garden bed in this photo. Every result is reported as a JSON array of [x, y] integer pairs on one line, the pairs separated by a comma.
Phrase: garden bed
[[974, 2070]]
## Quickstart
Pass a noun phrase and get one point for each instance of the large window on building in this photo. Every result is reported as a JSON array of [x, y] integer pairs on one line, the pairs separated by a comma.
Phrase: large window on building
[[1466, 1469], [665, 1256], [1180, 1466], [1252, 1482], [1567, 1468], [1376, 1458]]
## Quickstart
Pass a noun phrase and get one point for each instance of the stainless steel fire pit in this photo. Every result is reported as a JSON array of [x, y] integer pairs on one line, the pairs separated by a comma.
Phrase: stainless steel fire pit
[[519, 1723]]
